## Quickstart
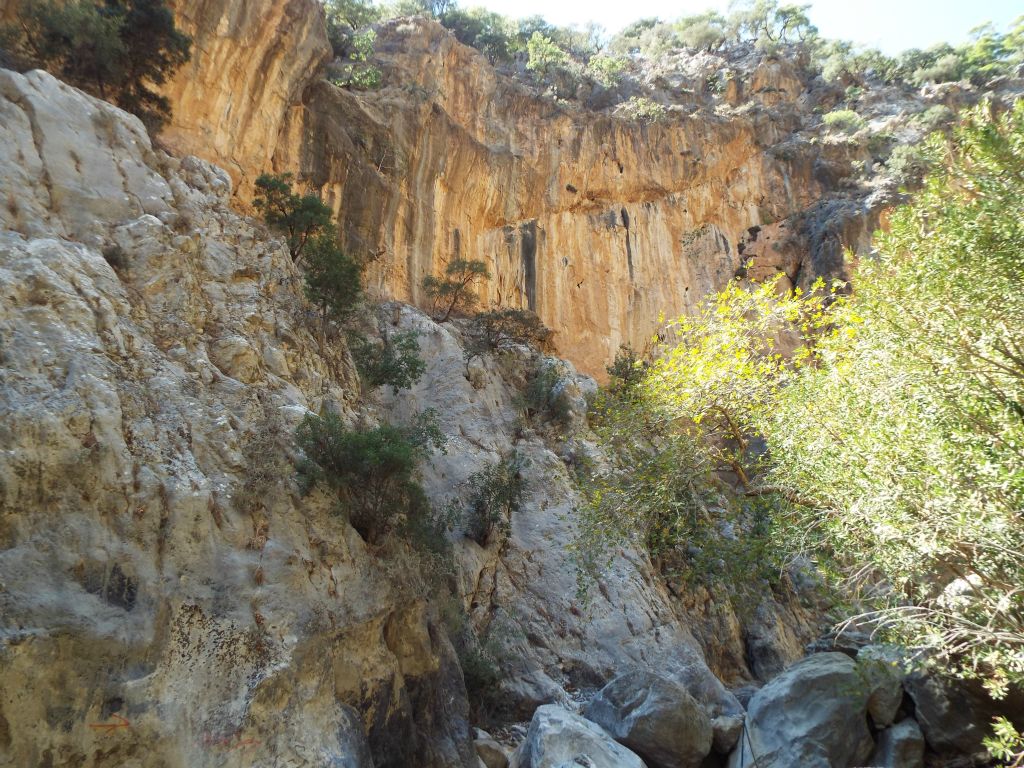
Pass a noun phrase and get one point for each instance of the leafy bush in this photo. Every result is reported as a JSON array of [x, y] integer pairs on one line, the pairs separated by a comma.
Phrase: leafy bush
[[909, 164], [333, 279], [643, 109], [908, 432], [300, 217], [544, 55], [844, 121], [934, 118], [496, 492], [356, 71], [503, 329], [345, 18], [114, 49], [607, 70], [490, 33], [452, 293], [373, 471], [627, 369], [541, 398], [395, 363]]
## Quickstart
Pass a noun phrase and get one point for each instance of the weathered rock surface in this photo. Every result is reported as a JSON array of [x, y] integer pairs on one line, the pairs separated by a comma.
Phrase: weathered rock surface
[[526, 585], [901, 746], [491, 753], [596, 223], [955, 715], [558, 739], [654, 717], [813, 715], [160, 603], [250, 63]]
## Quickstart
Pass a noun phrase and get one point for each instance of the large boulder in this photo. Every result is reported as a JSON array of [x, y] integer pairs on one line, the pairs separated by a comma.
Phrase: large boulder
[[901, 746], [955, 715], [813, 715], [557, 737], [656, 718]]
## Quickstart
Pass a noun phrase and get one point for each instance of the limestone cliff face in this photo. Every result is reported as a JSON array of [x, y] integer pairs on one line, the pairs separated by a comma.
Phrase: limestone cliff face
[[250, 63], [598, 224]]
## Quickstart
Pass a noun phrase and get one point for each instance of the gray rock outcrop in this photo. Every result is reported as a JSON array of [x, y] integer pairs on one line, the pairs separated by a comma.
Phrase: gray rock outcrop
[[813, 715], [558, 738], [656, 718], [901, 746]]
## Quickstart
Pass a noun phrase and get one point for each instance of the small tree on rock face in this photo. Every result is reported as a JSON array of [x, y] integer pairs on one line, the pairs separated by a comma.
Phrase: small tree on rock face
[[300, 217], [396, 362], [453, 292], [333, 279]]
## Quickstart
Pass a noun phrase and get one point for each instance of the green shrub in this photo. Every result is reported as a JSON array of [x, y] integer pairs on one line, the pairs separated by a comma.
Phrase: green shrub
[[908, 164], [300, 217], [545, 56], [453, 292], [934, 118], [490, 33], [373, 471], [607, 70], [627, 369], [356, 71], [541, 398], [394, 363], [643, 109], [345, 18], [333, 280], [908, 432], [496, 492], [844, 121], [504, 329], [114, 49]]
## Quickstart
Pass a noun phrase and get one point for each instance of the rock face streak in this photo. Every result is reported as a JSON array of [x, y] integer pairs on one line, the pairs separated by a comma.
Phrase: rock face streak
[[598, 224]]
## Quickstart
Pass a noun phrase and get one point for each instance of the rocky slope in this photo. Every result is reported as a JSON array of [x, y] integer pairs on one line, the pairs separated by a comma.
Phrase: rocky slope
[[168, 595]]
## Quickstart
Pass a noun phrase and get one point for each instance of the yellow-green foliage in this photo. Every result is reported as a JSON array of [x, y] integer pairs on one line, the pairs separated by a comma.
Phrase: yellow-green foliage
[[910, 431]]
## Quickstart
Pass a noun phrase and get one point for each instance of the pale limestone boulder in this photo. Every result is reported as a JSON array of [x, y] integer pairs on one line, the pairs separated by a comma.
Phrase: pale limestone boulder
[[558, 738], [656, 718], [491, 753]]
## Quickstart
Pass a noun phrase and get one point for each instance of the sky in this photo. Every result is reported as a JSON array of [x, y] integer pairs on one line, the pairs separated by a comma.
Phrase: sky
[[892, 25]]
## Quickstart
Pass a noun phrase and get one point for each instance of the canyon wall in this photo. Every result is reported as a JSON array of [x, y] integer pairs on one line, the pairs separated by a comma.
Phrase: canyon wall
[[600, 225], [169, 595]]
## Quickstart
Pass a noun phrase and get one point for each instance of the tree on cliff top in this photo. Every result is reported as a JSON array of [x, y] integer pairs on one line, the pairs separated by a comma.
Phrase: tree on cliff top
[[115, 49]]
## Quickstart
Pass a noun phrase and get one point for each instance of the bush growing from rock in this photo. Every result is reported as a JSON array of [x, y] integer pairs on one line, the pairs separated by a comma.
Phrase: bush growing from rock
[[299, 217], [607, 70], [496, 492], [453, 292], [333, 280], [371, 471], [503, 329], [643, 109], [395, 362], [844, 121], [356, 71]]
